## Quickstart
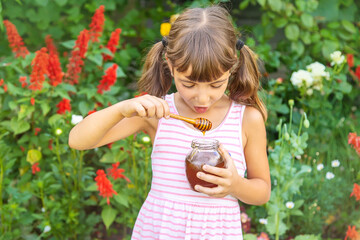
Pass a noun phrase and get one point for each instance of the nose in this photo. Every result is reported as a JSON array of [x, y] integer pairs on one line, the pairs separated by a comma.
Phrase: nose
[[203, 97]]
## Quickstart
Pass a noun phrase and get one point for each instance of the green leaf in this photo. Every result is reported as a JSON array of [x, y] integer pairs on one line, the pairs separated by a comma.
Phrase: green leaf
[[84, 107], [307, 20], [345, 87], [108, 158], [298, 47], [244, 4], [42, 3], [61, 2], [275, 5], [55, 120], [292, 32], [45, 108], [296, 212], [19, 126], [108, 215], [121, 199], [97, 59], [33, 156], [280, 22], [250, 237], [69, 44], [92, 188], [348, 26], [329, 47], [25, 110], [261, 2], [120, 72], [306, 37]]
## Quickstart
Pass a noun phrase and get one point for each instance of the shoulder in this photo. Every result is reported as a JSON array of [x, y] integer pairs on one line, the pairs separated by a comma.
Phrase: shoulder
[[253, 120]]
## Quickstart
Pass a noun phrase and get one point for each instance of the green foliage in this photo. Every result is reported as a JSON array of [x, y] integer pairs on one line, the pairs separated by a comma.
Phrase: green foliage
[[61, 201]]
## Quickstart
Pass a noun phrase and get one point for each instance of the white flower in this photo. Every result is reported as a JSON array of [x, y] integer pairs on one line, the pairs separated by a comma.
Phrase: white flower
[[300, 77], [43, 209], [337, 58], [47, 228], [58, 131], [75, 119], [263, 221], [320, 167], [146, 139], [329, 175], [335, 163], [317, 71], [290, 205]]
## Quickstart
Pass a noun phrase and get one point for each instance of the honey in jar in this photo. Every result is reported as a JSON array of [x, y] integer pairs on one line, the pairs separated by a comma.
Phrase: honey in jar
[[204, 151]]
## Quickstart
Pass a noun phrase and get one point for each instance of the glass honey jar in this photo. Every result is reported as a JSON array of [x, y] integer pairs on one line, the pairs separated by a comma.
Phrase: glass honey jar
[[204, 151]]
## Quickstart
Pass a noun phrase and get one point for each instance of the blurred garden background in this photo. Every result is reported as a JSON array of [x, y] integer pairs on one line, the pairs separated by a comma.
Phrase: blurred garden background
[[61, 60]]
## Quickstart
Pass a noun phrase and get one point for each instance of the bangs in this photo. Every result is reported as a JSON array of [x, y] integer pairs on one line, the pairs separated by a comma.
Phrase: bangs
[[208, 56]]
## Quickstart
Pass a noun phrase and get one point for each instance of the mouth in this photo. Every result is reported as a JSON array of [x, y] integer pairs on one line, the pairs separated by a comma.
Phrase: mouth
[[200, 109]]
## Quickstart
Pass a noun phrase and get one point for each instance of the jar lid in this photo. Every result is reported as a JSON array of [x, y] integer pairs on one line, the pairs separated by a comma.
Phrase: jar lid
[[204, 143]]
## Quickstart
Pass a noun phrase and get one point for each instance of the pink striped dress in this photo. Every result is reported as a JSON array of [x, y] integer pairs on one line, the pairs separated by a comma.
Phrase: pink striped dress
[[172, 210]]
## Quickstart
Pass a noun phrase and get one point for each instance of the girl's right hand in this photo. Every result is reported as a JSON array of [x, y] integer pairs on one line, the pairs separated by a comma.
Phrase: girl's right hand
[[145, 106]]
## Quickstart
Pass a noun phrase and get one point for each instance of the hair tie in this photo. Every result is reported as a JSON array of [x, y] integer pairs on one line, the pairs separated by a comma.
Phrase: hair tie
[[164, 41], [239, 44]]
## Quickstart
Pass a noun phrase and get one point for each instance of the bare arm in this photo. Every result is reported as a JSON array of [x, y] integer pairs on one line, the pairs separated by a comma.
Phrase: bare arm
[[256, 188], [117, 122]]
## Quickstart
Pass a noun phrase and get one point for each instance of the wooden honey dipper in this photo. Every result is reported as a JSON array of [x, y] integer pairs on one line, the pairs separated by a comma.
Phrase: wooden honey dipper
[[202, 124]]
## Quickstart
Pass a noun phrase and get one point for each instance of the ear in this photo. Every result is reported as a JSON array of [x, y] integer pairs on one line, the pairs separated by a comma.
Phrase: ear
[[169, 65]]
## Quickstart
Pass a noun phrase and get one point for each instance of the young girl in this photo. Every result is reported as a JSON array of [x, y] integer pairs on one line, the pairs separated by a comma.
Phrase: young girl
[[216, 78]]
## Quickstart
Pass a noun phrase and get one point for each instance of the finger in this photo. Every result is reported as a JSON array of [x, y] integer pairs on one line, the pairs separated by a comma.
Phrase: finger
[[210, 178], [160, 111], [209, 191], [226, 155], [221, 172], [150, 106], [166, 108], [140, 110]]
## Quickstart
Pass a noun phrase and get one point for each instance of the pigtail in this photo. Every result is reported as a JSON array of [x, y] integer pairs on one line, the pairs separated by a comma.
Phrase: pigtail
[[156, 75], [245, 81]]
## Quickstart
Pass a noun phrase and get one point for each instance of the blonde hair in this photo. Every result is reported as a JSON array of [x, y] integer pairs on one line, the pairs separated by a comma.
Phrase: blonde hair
[[205, 40]]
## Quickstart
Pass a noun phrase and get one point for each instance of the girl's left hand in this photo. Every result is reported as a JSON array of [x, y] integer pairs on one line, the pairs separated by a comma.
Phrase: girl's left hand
[[226, 178]]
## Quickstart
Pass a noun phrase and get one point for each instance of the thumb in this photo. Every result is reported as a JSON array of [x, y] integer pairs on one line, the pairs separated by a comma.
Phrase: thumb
[[226, 155]]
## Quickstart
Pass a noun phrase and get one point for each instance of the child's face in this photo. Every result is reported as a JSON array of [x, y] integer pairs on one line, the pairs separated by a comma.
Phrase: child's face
[[200, 96]]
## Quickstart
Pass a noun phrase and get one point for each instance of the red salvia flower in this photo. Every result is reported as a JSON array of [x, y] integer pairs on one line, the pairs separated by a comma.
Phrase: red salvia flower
[[50, 144], [141, 94], [108, 79], [16, 42], [104, 185], [91, 112], [54, 66], [32, 101], [112, 43], [357, 73], [5, 88], [354, 140], [356, 192], [50, 45], [35, 168], [1, 82], [63, 106], [22, 148], [97, 24], [39, 69], [37, 130], [351, 233], [23, 81], [76, 62], [116, 172], [350, 60]]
